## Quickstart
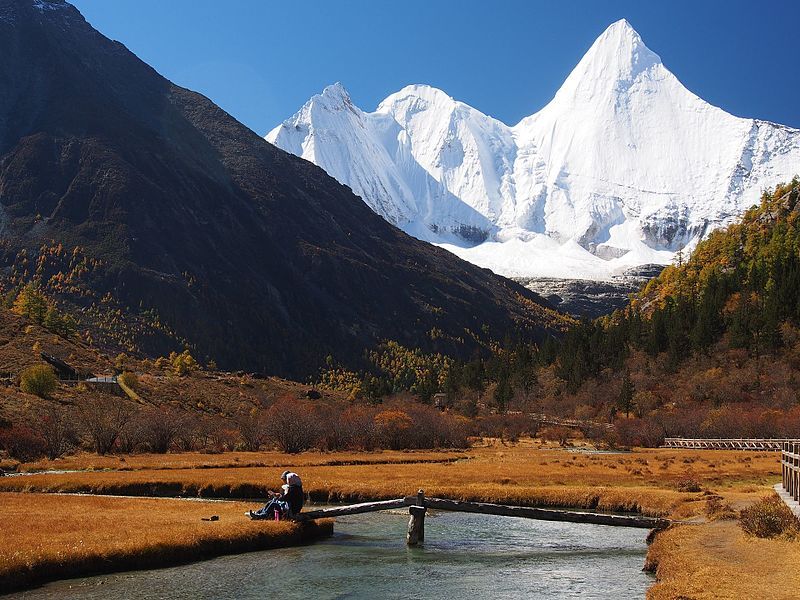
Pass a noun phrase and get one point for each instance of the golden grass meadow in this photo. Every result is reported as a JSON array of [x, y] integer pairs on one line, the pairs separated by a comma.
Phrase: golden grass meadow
[[704, 557], [47, 537]]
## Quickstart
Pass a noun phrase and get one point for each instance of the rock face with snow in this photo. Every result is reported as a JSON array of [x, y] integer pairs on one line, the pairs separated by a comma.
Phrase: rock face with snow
[[625, 166]]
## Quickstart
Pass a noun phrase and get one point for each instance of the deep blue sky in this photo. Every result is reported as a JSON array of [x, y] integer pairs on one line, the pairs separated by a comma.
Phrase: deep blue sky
[[261, 60]]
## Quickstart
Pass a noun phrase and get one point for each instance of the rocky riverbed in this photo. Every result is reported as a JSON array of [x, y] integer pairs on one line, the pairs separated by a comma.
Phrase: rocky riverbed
[[591, 299]]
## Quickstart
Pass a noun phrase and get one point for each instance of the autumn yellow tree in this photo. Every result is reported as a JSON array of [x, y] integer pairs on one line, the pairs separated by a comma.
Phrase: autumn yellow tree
[[31, 303], [183, 363]]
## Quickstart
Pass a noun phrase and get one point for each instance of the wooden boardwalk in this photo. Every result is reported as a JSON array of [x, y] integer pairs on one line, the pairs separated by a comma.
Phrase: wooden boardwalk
[[420, 503], [767, 444], [789, 488]]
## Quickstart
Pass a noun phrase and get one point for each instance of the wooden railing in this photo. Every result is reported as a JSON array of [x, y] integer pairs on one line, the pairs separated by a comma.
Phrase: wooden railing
[[790, 468], [727, 443]]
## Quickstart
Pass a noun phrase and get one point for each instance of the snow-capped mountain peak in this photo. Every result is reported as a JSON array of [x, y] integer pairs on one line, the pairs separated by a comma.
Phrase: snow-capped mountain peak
[[416, 98], [610, 67], [617, 64], [624, 166], [619, 53], [334, 97]]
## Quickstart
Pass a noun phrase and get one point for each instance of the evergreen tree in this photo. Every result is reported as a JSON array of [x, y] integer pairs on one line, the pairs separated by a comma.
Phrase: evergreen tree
[[523, 368], [708, 323], [473, 375], [453, 382], [503, 393], [52, 319], [626, 392], [548, 352], [62, 324]]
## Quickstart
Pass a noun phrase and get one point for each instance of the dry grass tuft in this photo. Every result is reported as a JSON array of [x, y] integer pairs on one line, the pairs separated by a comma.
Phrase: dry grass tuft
[[717, 509], [688, 485], [769, 518]]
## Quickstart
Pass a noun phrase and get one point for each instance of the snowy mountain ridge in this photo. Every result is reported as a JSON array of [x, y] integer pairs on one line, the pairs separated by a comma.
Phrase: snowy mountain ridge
[[624, 167]]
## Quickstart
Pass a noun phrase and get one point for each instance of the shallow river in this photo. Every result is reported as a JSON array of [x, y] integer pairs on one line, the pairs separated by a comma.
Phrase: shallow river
[[464, 556]]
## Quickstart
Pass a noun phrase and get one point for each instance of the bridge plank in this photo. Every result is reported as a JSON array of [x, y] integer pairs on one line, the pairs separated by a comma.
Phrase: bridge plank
[[543, 514], [546, 514], [352, 509]]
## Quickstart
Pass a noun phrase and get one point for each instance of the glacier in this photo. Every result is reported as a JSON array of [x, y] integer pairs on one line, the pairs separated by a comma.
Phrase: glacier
[[623, 167]]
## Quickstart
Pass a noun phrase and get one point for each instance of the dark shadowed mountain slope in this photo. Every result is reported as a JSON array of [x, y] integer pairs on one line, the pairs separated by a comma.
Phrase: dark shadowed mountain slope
[[256, 258]]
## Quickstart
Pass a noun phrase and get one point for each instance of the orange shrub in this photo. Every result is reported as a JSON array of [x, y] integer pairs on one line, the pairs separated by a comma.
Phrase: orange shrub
[[393, 428], [292, 425]]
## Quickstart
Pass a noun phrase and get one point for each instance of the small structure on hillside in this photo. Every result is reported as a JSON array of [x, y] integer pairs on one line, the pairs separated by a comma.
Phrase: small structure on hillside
[[107, 384], [69, 374], [63, 370]]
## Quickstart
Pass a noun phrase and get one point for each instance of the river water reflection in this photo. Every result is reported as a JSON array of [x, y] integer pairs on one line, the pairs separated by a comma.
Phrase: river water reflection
[[464, 556]]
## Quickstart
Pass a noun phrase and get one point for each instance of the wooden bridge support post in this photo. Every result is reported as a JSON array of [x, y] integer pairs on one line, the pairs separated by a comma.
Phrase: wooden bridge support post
[[416, 525], [784, 449], [796, 471], [790, 475], [791, 482], [416, 522], [421, 502]]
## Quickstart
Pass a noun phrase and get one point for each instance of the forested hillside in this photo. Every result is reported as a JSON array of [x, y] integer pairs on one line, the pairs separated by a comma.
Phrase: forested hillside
[[740, 287], [711, 347]]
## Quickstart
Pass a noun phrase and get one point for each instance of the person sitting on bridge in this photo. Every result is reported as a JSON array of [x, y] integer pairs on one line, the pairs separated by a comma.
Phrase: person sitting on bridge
[[285, 505]]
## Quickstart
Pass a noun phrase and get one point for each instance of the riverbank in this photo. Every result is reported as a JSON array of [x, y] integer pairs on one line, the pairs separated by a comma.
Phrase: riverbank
[[717, 560], [654, 482], [464, 556], [679, 484], [47, 537]]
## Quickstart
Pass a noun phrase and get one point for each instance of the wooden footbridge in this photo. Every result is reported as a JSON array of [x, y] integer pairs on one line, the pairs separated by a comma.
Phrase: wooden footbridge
[[418, 505], [789, 488], [770, 444]]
